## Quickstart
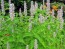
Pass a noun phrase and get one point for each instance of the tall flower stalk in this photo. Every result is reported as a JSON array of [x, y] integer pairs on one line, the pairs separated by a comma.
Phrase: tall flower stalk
[[12, 14], [43, 2], [2, 7], [36, 5], [11, 11], [25, 8], [48, 6], [60, 17], [41, 18], [20, 12], [32, 9], [62, 20], [9, 2]]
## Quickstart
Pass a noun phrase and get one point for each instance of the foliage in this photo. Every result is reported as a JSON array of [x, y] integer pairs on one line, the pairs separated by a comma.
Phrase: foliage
[[17, 32]]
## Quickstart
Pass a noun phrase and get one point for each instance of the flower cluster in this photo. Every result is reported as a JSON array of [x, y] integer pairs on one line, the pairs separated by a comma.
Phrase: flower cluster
[[60, 17], [2, 7], [25, 8], [11, 11]]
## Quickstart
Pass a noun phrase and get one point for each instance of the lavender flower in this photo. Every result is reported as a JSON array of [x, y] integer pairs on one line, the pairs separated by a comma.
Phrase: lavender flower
[[35, 44], [36, 5], [60, 17], [2, 7], [9, 2], [48, 6], [25, 8], [27, 47], [11, 11], [41, 18], [32, 9], [43, 2], [20, 13], [58, 14]]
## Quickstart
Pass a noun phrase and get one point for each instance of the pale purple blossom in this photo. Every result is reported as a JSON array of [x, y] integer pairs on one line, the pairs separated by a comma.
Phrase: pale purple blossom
[[25, 8], [2, 7], [43, 2], [48, 6], [11, 11], [9, 1], [60, 17], [20, 12], [41, 18], [36, 5], [58, 14], [32, 9]]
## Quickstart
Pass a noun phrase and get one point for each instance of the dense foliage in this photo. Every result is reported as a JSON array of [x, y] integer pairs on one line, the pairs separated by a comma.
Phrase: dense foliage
[[17, 33]]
